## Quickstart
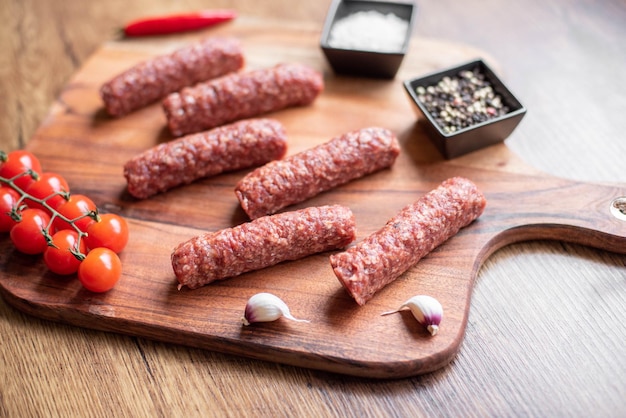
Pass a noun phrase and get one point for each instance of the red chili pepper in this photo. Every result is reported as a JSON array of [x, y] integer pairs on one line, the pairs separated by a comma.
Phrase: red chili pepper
[[162, 25]]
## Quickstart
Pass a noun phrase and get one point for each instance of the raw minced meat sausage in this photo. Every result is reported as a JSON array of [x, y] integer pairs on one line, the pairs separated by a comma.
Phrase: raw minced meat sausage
[[301, 176], [241, 95], [262, 243], [411, 234], [243, 144], [152, 80]]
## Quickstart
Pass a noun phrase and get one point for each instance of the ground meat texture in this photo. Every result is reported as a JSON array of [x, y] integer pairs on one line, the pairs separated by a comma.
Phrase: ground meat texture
[[241, 95], [262, 243], [243, 144], [411, 234], [152, 80], [301, 176]]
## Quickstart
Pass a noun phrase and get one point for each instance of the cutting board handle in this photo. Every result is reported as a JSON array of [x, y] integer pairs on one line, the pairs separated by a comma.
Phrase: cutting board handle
[[537, 208]]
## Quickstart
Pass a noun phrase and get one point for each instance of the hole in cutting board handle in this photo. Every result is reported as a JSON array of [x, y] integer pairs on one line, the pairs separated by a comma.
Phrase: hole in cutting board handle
[[618, 208]]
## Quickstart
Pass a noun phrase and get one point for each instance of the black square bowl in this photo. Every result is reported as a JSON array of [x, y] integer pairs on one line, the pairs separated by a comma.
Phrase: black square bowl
[[478, 135], [364, 62]]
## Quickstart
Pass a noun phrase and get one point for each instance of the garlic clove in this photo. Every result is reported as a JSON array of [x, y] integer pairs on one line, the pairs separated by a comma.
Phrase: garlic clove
[[265, 307], [426, 309]]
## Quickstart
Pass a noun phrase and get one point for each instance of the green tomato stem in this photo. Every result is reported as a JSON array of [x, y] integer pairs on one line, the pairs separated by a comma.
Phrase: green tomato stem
[[15, 212]]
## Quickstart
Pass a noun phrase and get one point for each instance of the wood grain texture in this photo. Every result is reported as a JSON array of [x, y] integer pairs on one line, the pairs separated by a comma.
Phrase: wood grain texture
[[38, 32], [528, 350], [147, 303]]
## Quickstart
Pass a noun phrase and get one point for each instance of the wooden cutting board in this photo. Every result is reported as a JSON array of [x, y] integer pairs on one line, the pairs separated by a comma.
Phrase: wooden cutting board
[[88, 148]]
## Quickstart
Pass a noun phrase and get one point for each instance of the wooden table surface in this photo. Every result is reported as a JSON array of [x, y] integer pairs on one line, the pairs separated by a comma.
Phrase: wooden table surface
[[546, 329]]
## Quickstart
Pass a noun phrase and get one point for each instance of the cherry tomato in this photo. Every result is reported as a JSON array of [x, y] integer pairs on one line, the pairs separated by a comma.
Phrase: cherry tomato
[[8, 200], [48, 184], [27, 235], [59, 257], [77, 206], [18, 162], [111, 232], [100, 270]]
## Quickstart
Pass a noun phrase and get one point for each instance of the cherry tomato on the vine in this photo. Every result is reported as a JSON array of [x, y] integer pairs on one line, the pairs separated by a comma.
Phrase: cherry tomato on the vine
[[100, 270], [48, 184], [59, 257], [27, 234], [77, 206], [110, 232], [18, 162], [8, 200]]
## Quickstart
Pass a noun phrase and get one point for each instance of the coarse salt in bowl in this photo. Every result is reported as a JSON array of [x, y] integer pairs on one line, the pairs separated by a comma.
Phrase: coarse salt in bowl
[[367, 38]]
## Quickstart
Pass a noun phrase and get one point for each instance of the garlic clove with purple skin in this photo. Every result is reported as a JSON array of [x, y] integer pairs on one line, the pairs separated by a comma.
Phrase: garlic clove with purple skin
[[265, 307], [426, 309]]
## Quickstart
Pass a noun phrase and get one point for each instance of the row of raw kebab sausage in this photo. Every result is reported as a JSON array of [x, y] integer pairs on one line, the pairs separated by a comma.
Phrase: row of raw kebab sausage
[[218, 117]]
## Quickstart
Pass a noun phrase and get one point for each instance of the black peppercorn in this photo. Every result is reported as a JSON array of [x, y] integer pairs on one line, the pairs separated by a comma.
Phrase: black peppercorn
[[461, 101]]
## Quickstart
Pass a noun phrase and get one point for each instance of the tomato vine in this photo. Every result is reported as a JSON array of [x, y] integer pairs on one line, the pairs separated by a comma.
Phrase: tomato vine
[[42, 216]]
